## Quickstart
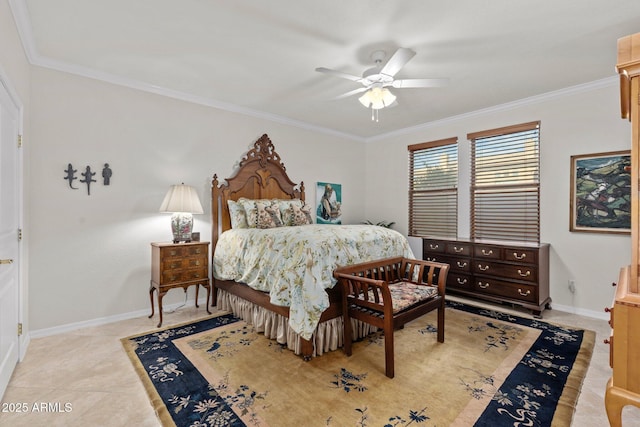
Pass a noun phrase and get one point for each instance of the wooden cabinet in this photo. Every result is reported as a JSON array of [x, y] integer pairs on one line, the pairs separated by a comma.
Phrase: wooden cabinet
[[509, 272], [178, 265], [624, 386]]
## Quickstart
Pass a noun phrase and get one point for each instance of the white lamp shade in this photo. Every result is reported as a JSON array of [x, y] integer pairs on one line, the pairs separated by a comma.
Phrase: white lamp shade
[[181, 198]]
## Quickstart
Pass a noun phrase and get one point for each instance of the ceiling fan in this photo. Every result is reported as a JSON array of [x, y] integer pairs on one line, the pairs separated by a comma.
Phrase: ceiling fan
[[377, 80]]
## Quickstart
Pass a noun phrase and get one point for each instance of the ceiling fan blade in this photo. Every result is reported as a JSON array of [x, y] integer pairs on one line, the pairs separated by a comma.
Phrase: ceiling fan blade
[[397, 61], [353, 92], [399, 84], [338, 74]]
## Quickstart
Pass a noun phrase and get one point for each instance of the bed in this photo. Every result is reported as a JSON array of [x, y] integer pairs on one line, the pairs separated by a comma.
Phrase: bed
[[273, 267]]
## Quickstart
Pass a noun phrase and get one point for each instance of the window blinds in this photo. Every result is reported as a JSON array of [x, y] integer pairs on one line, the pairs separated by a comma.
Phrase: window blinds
[[433, 193], [505, 183]]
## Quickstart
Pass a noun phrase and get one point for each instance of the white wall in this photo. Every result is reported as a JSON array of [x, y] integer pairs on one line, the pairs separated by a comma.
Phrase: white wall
[[90, 255], [578, 120]]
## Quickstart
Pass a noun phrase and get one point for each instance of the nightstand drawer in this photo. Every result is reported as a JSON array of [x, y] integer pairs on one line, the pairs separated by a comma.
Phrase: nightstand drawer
[[171, 252], [171, 264], [195, 262], [195, 274], [196, 250], [171, 276]]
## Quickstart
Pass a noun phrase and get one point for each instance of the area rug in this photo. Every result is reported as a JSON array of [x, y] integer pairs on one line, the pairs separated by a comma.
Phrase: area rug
[[494, 369]]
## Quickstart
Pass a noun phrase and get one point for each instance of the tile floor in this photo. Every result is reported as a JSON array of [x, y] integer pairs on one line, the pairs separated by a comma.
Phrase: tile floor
[[89, 370]]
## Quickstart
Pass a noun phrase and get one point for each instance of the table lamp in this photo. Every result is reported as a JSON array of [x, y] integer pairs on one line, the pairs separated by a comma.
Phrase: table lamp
[[182, 201]]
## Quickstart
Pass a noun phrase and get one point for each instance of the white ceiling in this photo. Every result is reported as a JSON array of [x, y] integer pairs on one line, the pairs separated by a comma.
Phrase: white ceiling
[[259, 57]]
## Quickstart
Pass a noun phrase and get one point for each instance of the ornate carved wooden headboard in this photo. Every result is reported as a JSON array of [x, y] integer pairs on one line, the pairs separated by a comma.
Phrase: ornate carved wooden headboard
[[260, 175]]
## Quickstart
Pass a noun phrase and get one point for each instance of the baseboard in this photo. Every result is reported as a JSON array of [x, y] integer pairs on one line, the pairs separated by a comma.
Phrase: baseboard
[[522, 311], [38, 333], [582, 312]]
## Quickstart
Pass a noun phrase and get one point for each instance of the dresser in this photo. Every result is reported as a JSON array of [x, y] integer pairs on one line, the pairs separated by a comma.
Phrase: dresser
[[178, 265], [505, 272], [624, 352]]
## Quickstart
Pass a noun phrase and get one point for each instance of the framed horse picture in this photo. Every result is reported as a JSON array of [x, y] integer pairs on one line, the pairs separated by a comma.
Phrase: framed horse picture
[[601, 192]]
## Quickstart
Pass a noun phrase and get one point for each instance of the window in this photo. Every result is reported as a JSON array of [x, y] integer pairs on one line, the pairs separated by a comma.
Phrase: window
[[433, 192], [505, 183]]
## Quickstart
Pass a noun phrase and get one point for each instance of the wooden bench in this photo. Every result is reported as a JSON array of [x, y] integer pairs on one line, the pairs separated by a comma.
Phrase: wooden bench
[[390, 292]]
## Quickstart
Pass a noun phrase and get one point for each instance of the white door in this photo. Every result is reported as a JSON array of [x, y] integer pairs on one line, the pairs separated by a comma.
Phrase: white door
[[9, 243]]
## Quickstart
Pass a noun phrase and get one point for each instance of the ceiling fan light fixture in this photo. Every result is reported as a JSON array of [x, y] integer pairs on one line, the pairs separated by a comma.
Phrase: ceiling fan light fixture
[[377, 98]]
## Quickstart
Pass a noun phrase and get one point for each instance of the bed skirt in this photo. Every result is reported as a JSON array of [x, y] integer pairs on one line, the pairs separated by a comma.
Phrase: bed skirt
[[328, 336]]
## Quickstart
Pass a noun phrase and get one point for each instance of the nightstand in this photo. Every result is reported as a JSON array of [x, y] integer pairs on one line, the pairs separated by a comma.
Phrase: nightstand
[[178, 265]]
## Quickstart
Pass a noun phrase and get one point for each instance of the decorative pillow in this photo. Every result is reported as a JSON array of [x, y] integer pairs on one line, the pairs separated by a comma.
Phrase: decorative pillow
[[267, 216], [284, 204], [297, 215], [255, 211], [237, 214]]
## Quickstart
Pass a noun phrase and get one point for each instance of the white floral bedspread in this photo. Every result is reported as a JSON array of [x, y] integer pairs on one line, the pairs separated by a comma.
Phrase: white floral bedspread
[[295, 264]]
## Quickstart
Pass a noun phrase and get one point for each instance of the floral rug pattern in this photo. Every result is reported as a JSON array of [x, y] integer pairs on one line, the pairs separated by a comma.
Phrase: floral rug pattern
[[528, 396]]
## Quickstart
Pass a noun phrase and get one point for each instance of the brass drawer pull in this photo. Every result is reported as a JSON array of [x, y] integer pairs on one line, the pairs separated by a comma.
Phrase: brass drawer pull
[[173, 265], [197, 251], [487, 253], [432, 246], [516, 256], [483, 268], [483, 285], [527, 274], [524, 294], [430, 259], [462, 281], [461, 264], [457, 249]]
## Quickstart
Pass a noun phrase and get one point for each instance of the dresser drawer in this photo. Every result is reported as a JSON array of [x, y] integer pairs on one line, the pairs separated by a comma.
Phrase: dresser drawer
[[459, 264], [509, 271], [435, 258], [487, 252], [458, 248], [517, 291], [459, 281], [429, 246], [521, 255]]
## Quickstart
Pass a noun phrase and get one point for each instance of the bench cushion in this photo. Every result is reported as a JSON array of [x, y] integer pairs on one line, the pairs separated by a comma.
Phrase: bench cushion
[[406, 294]]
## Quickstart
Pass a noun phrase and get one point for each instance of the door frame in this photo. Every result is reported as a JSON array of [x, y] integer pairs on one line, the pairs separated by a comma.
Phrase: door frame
[[24, 339]]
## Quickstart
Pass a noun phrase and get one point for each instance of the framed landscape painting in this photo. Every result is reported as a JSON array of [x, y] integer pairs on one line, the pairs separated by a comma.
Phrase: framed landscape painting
[[601, 192]]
